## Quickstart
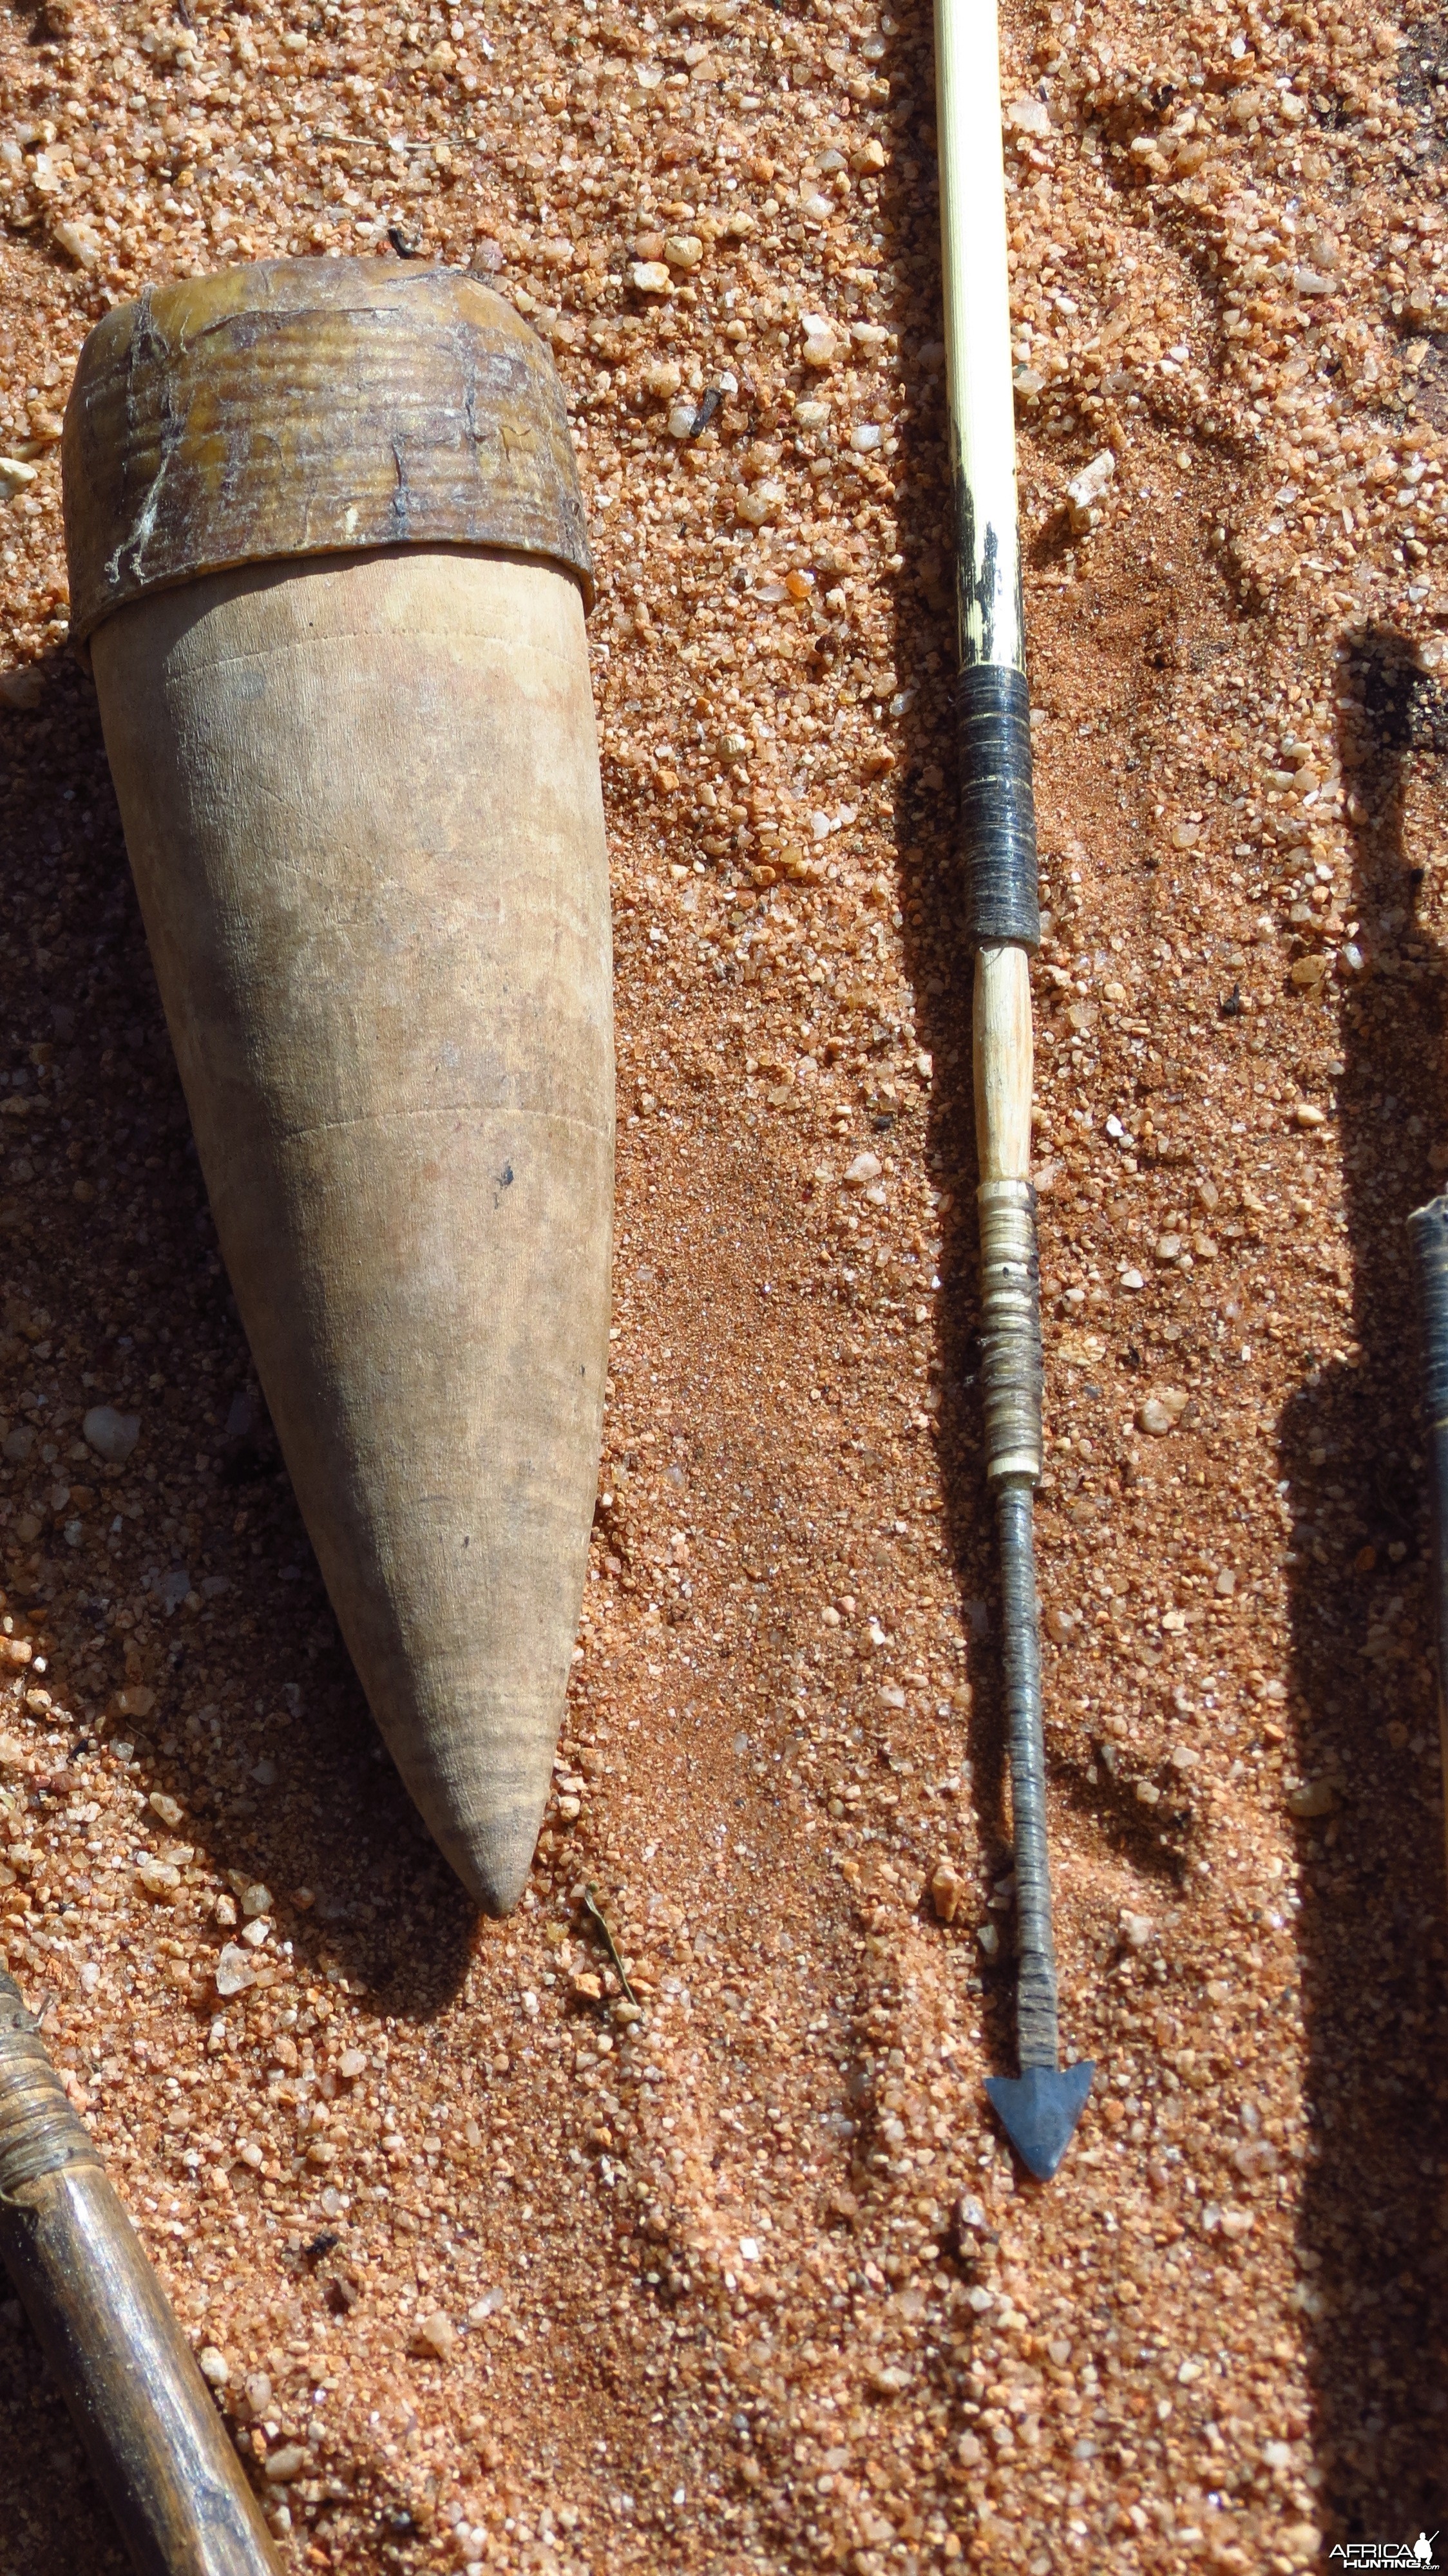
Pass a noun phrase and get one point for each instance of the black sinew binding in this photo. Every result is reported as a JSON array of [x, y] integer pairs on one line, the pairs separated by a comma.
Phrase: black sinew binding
[[997, 807]]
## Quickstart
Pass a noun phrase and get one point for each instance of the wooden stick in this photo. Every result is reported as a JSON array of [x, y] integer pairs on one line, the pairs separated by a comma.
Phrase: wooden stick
[[157, 2447], [1040, 2110]]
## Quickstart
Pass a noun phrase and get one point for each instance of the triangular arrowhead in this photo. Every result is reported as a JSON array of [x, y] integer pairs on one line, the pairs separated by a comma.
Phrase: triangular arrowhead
[[1039, 2110]]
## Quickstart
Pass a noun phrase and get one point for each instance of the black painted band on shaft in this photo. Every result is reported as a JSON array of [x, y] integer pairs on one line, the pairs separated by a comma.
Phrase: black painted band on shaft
[[997, 807], [1428, 1235]]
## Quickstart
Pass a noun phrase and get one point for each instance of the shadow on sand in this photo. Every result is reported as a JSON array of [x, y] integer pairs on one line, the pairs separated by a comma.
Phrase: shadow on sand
[[1363, 1711]]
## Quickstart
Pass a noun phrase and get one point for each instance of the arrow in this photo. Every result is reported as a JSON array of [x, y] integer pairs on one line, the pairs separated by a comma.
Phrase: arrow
[[1040, 2108]]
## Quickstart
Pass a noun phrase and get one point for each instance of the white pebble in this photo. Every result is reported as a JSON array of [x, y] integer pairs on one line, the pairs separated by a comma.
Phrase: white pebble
[[1086, 491], [79, 242], [761, 503]]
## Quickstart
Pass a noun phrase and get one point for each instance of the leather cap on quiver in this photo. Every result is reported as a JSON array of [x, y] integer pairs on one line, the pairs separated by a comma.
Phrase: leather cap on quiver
[[308, 407]]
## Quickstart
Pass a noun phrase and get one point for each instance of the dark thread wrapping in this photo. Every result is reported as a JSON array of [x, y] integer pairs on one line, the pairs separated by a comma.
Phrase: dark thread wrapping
[[997, 807], [1037, 2023]]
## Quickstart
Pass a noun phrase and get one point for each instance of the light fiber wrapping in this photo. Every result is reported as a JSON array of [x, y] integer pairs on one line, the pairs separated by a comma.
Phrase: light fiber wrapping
[[1010, 1329]]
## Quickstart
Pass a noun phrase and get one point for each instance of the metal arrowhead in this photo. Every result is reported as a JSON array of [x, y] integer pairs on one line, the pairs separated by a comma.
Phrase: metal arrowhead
[[1039, 2110]]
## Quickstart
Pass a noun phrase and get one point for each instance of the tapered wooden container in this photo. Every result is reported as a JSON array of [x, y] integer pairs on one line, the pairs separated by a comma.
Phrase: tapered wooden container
[[328, 554]]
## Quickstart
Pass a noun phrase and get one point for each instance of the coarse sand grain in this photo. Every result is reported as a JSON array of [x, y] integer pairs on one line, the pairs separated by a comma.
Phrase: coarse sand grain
[[491, 2267]]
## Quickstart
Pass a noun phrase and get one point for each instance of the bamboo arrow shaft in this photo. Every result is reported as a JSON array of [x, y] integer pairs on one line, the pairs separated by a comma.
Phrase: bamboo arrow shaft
[[1003, 924]]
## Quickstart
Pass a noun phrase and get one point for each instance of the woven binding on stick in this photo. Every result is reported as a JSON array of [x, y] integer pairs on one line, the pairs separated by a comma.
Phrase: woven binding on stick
[[39, 2132], [310, 407]]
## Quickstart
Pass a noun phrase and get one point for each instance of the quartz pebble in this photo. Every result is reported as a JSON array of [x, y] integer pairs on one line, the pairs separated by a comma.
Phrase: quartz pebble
[[1087, 490], [820, 344], [112, 1435], [947, 1888], [234, 1971], [1313, 1799]]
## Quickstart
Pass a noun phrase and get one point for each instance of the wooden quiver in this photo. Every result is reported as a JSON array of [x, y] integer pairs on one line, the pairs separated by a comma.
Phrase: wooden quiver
[[328, 558]]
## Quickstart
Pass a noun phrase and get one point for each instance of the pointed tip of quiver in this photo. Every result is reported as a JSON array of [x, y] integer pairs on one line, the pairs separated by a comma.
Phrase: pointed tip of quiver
[[485, 1815], [471, 1705], [493, 1857]]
